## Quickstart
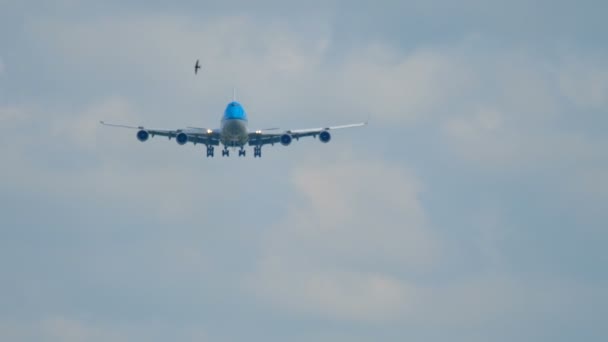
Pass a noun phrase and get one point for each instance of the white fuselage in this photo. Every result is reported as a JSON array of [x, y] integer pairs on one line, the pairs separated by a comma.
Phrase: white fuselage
[[234, 132]]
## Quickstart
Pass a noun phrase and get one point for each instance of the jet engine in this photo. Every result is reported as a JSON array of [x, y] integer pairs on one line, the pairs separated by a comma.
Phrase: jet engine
[[325, 137], [181, 138], [142, 135], [286, 139]]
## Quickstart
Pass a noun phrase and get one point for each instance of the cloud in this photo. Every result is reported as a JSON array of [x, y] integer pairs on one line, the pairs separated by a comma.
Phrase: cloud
[[584, 82], [264, 59], [354, 217], [267, 58], [492, 300], [13, 115], [487, 137], [594, 181], [516, 113], [62, 328], [331, 294], [101, 168], [81, 128], [340, 207], [397, 87], [492, 139], [335, 236], [56, 329], [363, 251]]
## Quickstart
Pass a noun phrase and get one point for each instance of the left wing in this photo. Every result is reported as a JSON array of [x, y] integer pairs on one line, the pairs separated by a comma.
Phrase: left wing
[[259, 138], [194, 135]]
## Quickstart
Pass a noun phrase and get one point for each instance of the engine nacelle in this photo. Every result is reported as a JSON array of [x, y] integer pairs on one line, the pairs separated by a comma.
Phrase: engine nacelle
[[181, 138], [286, 139], [325, 137], [142, 135]]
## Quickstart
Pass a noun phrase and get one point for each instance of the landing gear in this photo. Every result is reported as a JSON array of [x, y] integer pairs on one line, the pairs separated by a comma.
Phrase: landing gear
[[242, 152], [209, 151], [257, 152], [225, 152]]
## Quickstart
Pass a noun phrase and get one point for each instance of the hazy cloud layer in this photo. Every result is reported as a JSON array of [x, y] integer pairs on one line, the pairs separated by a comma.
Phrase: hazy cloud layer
[[471, 208]]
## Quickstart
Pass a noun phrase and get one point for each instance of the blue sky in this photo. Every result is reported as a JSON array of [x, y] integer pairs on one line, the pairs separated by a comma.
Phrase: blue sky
[[472, 208]]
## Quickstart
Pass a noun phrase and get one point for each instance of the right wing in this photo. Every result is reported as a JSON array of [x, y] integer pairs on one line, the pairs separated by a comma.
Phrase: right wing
[[262, 137], [194, 135]]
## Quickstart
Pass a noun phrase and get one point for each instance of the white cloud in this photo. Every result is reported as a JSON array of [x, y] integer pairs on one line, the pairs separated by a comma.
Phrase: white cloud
[[357, 247], [56, 329], [275, 65], [594, 181], [353, 213], [13, 115], [495, 139], [231, 48], [585, 195], [66, 330], [477, 301], [585, 82], [397, 87], [331, 293], [356, 244], [492, 107], [343, 200], [62, 328], [81, 128], [167, 190], [518, 121], [485, 137]]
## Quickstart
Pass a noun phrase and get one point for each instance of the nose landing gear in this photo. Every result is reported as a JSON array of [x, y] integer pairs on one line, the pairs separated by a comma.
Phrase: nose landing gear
[[225, 152], [242, 152]]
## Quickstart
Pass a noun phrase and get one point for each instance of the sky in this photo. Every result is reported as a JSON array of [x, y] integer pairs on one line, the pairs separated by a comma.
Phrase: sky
[[472, 208]]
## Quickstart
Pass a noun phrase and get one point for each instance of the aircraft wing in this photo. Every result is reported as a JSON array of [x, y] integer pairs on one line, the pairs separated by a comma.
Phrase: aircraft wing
[[195, 135], [259, 138]]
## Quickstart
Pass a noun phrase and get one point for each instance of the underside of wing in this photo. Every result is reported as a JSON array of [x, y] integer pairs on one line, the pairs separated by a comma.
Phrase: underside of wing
[[194, 135], [261, 137]]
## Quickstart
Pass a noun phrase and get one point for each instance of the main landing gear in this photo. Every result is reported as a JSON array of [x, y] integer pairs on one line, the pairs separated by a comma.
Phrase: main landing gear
[[209, 151], [257, 152]]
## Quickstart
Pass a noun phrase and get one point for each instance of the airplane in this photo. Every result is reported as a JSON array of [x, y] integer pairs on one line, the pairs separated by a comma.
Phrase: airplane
[[234, 133]]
